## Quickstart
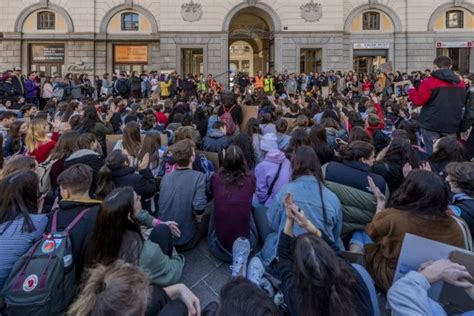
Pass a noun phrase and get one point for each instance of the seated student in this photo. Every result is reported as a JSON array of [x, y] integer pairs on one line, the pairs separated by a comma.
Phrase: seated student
[[233, 188], [117, 173], [283, 140], [117, 235], [16, 163], [348, 180], [37, 142], [217, 139], [131, 142], [124, 289], [460, 177], [316, 280], [74, 184], [183, 196], [241, 297], [321, 206], [267, 125], [418, 207], [21, 221], [409, 295], [445, 150], [14, 141], [6, 120], [86, 153]]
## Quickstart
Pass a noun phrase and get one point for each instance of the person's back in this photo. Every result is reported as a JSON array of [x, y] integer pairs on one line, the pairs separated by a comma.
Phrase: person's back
[[216, 139], [183, 193]]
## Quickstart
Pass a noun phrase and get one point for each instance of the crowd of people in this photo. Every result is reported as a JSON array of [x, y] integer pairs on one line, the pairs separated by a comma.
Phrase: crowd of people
[[106, 183]]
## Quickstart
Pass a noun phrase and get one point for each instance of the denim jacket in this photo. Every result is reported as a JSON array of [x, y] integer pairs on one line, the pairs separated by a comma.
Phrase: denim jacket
[[306, 195]]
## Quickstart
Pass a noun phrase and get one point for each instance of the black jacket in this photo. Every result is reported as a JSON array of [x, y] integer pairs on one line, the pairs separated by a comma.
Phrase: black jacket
[[286, 272], [90, 158], [466, 206], [82, 232], [143, 182]]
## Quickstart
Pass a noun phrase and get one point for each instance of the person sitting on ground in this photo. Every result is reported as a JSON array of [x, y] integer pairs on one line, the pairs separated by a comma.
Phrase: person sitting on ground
[[217, 139], [348, 180], [14, 142], [37, 142], [418, 207], [131, 142], [321, 206], [445, 150], [117, 235], [124, 289], [460, 177], [267, 125], [283, 140], [16, 163], [74, 184], [183, 196], [233, 188], [21, 221], [316, 281], [6, 120]]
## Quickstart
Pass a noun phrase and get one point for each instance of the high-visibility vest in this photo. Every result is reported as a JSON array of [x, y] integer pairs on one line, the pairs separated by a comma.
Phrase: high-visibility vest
[[268, 85], [258, 82]]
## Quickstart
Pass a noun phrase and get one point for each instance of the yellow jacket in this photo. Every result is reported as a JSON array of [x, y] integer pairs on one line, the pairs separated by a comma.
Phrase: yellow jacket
[[165, 88]]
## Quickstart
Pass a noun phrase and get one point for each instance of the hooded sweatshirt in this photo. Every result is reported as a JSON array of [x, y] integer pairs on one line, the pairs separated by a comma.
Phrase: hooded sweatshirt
[[442, 97], [266, 172], [216, 141]]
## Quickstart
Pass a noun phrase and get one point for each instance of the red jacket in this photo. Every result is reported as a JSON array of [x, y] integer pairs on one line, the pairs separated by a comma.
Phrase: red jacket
[[161, 118], [42, 151]]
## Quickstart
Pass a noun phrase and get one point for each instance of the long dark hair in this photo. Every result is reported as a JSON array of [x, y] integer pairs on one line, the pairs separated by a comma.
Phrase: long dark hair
[[89, 119], [305, 162], [19, 192], [299, 138], [318, 139], [234, 166], [324, 282], [399, 153], [356, 150], [448, 150], [14, 133], [114, 219], [253, 127], [116, 159], [422, 192], [66, 145], [245, 143], [132, 141], [151, 145]]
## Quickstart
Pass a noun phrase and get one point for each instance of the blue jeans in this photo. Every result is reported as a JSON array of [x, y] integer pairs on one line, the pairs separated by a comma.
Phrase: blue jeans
[[360, 238]]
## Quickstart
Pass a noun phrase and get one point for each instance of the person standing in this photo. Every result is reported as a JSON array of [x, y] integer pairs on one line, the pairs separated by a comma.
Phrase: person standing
[[442, 97]]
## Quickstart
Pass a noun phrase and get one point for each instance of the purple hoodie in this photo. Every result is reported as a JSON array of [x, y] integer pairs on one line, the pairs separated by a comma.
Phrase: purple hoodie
[[30, 88], [266, 171]]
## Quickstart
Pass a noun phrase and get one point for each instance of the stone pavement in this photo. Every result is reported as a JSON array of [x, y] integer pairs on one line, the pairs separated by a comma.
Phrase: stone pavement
[[204, 274]]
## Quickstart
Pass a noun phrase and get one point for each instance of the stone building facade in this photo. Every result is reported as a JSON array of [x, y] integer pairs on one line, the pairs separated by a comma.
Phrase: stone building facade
[[213, 36]]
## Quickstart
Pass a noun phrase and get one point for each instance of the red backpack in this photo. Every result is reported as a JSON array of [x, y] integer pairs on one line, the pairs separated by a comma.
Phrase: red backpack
[[226, 117]]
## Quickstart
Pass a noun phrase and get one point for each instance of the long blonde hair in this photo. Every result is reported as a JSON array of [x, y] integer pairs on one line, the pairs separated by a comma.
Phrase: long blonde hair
[[36, 133], [118, 289]]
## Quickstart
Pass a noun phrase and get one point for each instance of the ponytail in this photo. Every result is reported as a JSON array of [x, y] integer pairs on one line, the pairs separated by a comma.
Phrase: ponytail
[[356, 150]]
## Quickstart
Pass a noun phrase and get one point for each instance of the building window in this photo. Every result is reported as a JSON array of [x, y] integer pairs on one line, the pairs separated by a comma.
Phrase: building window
[[455, 19], [130, 22], [371, 21], [46, 20]]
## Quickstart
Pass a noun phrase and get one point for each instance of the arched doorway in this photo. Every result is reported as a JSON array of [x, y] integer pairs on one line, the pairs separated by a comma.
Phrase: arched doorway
[[251, 42]]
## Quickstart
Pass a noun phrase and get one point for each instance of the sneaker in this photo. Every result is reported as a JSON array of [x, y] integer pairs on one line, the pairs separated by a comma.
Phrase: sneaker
[[240, 255], [255, 270]]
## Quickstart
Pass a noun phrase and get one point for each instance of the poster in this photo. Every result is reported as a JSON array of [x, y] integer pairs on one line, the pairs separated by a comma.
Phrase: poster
[[131, 53], [47, 53], [386, 67]]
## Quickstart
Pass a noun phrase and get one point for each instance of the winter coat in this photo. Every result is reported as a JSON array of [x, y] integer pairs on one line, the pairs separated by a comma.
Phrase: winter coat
[[348, 180], [90, 158], [216, 141], [442, 98], [142, 182], [266, 171]]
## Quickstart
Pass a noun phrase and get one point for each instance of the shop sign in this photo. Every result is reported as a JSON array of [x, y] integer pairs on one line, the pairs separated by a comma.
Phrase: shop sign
[[131, 53], [75, 68], [371, 45], [47, 53], [468, 44]]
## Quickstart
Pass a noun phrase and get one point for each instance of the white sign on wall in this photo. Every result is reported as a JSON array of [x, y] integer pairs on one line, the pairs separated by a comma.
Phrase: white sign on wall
[[468, 44], [371, 45]]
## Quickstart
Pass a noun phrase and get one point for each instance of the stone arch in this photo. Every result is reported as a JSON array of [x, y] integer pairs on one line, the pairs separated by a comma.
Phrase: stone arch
[[122, 7], [42, 6], [445, 7], [276, 22], [397, 24]]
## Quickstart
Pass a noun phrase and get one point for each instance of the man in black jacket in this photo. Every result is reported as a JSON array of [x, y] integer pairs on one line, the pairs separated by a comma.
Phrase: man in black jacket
[[442, 97]]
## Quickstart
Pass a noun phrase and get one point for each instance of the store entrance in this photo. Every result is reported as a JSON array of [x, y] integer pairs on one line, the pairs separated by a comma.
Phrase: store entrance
[[130, 58], [369, 60], [459, 56], [48, 69], [131, 67]]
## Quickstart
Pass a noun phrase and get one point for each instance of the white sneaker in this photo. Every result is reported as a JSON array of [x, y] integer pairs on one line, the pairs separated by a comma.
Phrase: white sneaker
[[255, 271], [240, 255]]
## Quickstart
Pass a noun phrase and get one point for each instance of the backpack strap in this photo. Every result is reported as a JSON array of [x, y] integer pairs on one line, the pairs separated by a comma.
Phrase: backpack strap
[[270, 189], [71, 225]]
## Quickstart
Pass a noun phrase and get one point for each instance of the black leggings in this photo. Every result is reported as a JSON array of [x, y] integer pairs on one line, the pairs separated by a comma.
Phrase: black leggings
[[162, 236], [159, 304]]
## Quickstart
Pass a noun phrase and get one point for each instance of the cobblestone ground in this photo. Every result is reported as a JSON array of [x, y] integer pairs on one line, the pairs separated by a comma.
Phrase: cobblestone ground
[[204, 274]]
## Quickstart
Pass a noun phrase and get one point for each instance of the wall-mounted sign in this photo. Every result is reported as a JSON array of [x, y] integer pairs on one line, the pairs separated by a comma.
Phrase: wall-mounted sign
[[47, 53], [131, 53], [79, 68], [371, 45], [468, 44]]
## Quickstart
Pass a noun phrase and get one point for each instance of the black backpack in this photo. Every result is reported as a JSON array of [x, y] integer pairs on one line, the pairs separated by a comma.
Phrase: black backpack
[[43, 281]]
